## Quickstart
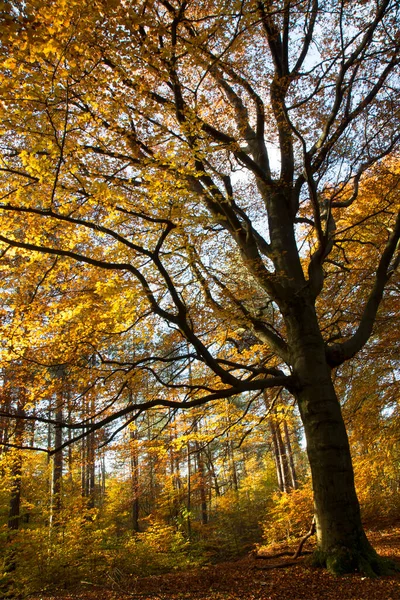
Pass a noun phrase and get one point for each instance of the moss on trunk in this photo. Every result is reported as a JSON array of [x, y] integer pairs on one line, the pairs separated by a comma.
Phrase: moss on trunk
[[341, 560]]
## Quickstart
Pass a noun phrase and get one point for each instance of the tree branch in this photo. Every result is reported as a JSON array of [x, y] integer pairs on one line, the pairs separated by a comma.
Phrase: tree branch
[[340, 352]]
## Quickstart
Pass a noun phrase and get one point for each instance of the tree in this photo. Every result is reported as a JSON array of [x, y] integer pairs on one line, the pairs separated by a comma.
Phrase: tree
[[162, 162]]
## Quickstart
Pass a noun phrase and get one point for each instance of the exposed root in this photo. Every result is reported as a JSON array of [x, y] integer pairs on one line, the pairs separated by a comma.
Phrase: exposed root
[[304, 539], [281, 565], [338, 560], [271, 556], [294, 555]]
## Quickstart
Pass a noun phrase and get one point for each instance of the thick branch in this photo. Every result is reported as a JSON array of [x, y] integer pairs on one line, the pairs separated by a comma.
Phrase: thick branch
[[259, 384]]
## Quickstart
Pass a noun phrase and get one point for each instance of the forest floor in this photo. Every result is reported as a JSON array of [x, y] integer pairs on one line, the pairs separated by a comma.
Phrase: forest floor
[[251, 579]]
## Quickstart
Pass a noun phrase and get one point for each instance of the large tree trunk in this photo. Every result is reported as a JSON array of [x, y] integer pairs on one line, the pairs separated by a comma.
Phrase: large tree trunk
[[342, 544]]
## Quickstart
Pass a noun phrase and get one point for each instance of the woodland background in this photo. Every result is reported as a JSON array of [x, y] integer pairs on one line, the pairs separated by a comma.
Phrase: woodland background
[[179, 490], [159, 161]]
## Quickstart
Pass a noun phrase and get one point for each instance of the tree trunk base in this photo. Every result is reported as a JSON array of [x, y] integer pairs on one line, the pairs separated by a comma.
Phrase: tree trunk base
[[341, 560]]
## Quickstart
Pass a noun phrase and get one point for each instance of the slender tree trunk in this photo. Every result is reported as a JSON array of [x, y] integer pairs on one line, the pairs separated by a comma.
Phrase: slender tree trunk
[[293, 474], [83, 467], [283, 459], [202, 482], [59, 374], [212, 471], [5, 406], [151, 462], [135, 479], [278, 464], [189, 492], [231, 459], [49, 429], [88, 471], [32, 428], [91, 461], [281, 451], [174, 468], [10, 561], [202, 476], [103, 473], [69, 434], [15, 497], [91, 471], [57, 469]]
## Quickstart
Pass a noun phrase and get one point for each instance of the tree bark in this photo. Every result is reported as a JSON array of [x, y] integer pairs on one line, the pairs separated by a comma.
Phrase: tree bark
[[189, 492], [14, 518], [91, 460], [135, 479], [10, 560], [212, 471], [283, 459], [56, 487], [278, 464], [342, 543], [5, 406], [292, 467], [202, 484], [201, 476], [56, 501]]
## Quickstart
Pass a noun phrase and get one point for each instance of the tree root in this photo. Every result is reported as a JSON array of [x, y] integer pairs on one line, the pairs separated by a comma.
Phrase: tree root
[[338, 560], [294, 555], [309, 533], [281, 565]]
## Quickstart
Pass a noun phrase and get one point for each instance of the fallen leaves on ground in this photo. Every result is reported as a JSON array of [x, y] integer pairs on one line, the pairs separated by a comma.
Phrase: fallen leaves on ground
[[244, 580]]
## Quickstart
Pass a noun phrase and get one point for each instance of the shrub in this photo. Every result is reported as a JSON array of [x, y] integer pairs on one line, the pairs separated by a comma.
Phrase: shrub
[[159, 549], [290, 515]]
